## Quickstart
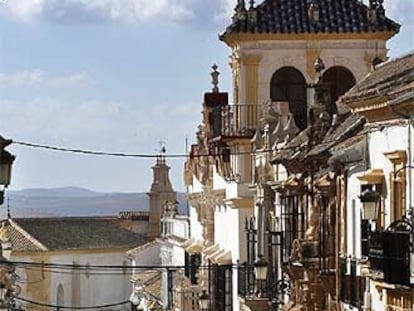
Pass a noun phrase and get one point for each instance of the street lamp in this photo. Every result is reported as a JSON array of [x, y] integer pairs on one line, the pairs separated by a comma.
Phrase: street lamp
[[203, 301], [6, 162], [260, 272], [369, 199], [134, 299], [260, 268]]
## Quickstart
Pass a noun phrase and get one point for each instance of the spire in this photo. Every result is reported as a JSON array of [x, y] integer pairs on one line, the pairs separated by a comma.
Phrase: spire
[[252, 13], [240, 11], [161, 153], [161, 191], [313, 12], [372, 12], [214, 77], [241, 5]]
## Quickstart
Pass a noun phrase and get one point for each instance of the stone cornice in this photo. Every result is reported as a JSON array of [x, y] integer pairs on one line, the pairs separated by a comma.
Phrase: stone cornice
[[238, 203], [234, 39]]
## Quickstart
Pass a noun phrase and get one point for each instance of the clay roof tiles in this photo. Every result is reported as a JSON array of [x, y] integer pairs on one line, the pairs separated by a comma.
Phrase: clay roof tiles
[[71, 233], [394, 78], [291, 16]]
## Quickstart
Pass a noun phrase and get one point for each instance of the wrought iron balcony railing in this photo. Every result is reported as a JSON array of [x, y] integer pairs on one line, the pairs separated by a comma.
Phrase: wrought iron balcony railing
[[389, 252], [246, 280], [234, 121]]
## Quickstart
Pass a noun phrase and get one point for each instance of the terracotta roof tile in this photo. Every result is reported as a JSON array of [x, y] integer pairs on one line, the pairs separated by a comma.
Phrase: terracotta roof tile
[[393, 78], [72, 233], [291, 16]]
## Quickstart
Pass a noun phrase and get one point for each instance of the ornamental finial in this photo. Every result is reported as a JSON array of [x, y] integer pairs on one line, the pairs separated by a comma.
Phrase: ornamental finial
[[214, 76]]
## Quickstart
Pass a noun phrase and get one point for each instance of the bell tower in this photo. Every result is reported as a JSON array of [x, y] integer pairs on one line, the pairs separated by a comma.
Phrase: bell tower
[[160, 193], [274, 44]]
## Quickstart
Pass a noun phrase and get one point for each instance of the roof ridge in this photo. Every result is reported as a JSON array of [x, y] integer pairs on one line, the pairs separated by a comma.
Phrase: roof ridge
[[27, 235]]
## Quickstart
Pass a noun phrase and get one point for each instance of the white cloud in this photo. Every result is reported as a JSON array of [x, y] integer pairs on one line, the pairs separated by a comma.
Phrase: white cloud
[[81, 79], [25, 10], [401, 11], [197, 11], [73, 11], [38, 77], [22, 78]]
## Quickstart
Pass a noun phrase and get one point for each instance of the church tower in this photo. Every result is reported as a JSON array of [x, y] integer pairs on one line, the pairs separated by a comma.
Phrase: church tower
[[160, 194], [275, 43]]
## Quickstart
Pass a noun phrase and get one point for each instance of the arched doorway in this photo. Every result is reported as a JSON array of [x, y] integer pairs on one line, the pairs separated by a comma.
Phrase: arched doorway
[[339, 80], [60, 296], [289, 85]]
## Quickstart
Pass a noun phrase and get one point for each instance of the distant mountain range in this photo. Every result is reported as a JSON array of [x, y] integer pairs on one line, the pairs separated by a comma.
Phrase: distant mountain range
[[74, 201]]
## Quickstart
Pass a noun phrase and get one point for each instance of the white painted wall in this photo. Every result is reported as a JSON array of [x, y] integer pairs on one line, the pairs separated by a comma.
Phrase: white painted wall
[[94, 289], [389, 139]]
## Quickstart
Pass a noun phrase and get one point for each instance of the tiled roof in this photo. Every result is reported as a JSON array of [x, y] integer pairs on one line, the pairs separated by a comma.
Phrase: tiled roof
[[21, 241], [394, 78], [348, 127], [291, 16], [298, 149], [30, 234], [151, 281]]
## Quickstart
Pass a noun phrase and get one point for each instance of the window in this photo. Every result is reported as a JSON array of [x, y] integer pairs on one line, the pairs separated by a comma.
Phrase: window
[[222, 288], [192, 265], [60, 296], [339, 80], [292, 223], [365, 229], [289, 85]]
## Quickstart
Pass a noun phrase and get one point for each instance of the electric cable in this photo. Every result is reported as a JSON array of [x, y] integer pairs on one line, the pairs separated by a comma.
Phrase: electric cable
[[88, 267], [151, 156], [71, 308]]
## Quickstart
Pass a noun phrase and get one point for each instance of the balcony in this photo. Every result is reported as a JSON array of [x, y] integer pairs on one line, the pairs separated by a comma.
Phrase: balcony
[[246, 280], [235, 121], [389, 252]]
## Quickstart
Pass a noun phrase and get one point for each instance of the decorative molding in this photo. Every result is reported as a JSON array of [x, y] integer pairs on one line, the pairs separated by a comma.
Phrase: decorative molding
[[372, 177], [237, 203], [251, 60], [397, 157], [251, 86], [235, 39]]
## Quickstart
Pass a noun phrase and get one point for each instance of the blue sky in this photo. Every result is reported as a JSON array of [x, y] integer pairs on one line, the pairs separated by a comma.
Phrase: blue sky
[[114, 75]]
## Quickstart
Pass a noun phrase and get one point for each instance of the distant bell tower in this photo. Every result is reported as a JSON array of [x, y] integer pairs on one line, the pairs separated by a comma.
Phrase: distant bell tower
[[161, 192]]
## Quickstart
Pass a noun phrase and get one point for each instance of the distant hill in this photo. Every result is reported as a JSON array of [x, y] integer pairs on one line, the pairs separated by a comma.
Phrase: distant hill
[[74, 201]]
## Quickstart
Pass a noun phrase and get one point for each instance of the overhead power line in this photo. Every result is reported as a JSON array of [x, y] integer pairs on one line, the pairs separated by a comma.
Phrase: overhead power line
[[71, 308], [95, 153], [153, 156], [95, 268]]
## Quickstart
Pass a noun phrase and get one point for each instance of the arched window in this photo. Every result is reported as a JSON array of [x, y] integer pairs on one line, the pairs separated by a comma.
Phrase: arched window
[[339, 79], [60, 296], [289, 85]]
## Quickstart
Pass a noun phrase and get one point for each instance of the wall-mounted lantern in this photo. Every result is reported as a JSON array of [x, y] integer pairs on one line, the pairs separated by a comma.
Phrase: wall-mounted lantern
[[260, 268], [203, 301], [369, 199], [6, 162]]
